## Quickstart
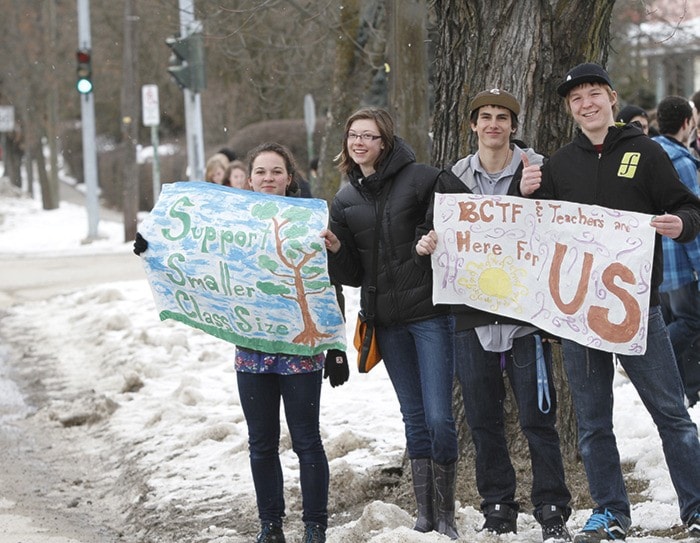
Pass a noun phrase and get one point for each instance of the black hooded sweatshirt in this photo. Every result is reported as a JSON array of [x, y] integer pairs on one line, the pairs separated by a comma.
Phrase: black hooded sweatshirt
[[631, 173]]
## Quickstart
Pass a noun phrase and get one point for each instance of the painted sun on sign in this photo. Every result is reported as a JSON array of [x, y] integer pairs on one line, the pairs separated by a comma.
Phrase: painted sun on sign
[[497, 282], [579, 272]]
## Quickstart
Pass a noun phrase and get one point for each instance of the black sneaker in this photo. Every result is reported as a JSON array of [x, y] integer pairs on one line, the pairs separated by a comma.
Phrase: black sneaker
[[603, 526], [314, 533], [553, 522], [694, 525], [270, 533], [500, 519]]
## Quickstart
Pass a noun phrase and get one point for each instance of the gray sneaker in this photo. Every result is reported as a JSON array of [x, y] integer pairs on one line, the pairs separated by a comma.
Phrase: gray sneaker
[[603, 526], [694, 525]]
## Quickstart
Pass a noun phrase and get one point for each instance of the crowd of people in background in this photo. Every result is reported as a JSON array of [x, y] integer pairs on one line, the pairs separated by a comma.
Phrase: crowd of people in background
[[380, 239]]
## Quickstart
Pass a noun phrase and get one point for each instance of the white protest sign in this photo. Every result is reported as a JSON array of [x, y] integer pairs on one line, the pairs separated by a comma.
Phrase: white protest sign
[[577, 271], [246, 267]]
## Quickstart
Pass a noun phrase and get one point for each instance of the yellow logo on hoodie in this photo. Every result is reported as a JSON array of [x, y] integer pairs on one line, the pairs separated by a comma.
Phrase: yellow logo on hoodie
[[628, 165]]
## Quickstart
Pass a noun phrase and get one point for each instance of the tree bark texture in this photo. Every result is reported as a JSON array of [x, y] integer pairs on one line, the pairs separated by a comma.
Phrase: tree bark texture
[[408, 75], [524, 47], [359, 43]]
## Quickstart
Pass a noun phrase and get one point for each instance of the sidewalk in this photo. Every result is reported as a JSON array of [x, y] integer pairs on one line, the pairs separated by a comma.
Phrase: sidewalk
[[74, 195]]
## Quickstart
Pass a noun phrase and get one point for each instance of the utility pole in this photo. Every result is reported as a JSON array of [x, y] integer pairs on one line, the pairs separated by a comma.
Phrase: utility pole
[[87, 113], [193, 100], [130, 109]]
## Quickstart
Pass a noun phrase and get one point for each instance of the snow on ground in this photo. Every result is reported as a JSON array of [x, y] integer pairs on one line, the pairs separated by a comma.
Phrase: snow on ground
[[162, 410]]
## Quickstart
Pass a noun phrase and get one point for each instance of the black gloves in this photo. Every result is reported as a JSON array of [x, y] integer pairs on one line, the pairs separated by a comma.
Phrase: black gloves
[[140, 244], [336, 367]]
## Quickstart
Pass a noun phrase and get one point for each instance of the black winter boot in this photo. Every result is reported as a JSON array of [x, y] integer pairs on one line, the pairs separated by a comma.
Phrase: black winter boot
[[314, 533], [500, 519], [422, 473], [270, 533], [445, 477]]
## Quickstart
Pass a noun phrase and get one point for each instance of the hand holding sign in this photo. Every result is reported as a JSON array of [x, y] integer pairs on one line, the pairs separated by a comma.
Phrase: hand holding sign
[[668, 225]]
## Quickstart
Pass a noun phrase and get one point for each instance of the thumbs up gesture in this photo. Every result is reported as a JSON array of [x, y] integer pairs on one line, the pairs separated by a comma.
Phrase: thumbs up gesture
[[531, 177]]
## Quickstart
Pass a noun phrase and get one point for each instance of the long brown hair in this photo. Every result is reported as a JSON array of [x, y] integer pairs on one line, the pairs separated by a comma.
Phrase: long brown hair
[[385, 125]]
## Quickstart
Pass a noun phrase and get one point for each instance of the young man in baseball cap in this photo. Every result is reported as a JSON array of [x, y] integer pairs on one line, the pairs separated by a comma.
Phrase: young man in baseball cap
[[488, 345], [621, 168]]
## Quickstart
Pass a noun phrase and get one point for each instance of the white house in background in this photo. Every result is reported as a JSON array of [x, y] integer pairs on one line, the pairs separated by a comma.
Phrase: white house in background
[[668, 44]]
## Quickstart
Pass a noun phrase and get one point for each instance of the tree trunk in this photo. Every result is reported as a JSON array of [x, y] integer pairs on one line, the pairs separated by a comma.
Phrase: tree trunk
[[49, 191], [12, 157], [524, 47], [357, 43], [408, 76], [52, 187]]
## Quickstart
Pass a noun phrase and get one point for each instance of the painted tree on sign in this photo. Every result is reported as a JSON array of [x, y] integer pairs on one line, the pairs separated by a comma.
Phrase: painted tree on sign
[[298, 275]]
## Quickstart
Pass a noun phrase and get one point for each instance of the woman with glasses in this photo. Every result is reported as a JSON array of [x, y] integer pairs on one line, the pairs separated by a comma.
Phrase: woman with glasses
[[387, 199]]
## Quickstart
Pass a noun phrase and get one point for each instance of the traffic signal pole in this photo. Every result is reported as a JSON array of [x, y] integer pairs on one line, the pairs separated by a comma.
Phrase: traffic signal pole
[[193, 101], [87, 113]]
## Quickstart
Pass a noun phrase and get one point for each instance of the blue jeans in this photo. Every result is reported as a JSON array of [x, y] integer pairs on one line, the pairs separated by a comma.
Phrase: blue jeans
[[483, 391], [260, 399], [419, 361], [682, 315], [656, 378]]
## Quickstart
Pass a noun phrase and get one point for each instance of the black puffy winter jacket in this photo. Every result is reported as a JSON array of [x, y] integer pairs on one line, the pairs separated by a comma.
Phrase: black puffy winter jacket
[[632, 173], [404, 289]]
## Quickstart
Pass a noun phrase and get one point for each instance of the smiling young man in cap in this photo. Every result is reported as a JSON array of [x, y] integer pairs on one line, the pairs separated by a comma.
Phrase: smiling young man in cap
[[621, 168], [487, 345]]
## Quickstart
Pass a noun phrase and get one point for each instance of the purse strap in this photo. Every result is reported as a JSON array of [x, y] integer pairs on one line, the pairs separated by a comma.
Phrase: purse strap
[[372, 287]]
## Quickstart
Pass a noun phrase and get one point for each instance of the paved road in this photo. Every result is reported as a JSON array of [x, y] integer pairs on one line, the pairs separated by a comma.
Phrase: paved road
[[34, 469], [35, 278]]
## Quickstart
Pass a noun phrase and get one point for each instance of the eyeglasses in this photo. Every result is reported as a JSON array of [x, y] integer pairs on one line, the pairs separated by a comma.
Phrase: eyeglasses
[[366, 137]]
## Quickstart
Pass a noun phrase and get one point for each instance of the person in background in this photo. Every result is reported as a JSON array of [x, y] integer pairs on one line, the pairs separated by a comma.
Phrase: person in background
[[680, 292], [389, 193], [236, 175], [229, 153], [488, 347], [634, 114], [304, 186], [621, 168], [215, 170], [694, 138], [313, 169], [267, 379]]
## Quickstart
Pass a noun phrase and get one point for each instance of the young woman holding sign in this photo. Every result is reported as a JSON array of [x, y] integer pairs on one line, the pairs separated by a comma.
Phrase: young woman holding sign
[[388, 195], [265, 378]]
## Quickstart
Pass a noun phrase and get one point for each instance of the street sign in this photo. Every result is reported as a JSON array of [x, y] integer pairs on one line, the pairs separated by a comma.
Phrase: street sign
[[150, 105], [7, 118], [309, 114], [310, 121]]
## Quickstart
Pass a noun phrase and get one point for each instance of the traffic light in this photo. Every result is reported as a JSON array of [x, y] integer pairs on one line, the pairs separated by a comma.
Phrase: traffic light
[[84, 71], [187, 61]]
